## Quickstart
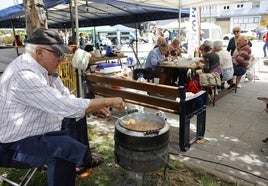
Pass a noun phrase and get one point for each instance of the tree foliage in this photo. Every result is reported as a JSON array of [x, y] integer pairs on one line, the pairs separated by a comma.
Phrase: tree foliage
[[7, 36]]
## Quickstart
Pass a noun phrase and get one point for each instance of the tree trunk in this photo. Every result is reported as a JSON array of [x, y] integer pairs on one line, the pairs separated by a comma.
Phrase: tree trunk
[[35, 15]]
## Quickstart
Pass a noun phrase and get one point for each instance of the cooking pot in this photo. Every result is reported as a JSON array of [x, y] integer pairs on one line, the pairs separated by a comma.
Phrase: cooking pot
[[141, 149], [144, 140]]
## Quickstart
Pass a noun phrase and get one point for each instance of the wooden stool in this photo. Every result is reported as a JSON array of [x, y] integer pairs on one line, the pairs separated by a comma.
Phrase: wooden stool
[[236, 83]]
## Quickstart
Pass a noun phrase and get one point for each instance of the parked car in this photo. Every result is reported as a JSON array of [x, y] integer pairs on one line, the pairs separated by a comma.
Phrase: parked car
[[260, 32], [228, 36], [249, 33], [210, 31]]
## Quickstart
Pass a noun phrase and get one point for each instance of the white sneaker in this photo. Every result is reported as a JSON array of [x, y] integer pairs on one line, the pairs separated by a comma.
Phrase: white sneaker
[[217, 92], [239, 86], [226, 85]]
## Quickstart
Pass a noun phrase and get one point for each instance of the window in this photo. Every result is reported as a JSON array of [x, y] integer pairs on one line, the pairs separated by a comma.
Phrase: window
[[245, 22], [239, 6], [226, 7], [211, 8], [256, 19], [250, 20], [236, 20], [205, 33], [255, 4]]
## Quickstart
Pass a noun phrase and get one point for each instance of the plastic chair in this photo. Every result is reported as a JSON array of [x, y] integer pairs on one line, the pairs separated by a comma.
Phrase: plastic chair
[[142, 62], [7, 162]]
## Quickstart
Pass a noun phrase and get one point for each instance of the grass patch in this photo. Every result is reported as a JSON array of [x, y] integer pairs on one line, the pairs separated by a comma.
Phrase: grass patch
[[110, 174]]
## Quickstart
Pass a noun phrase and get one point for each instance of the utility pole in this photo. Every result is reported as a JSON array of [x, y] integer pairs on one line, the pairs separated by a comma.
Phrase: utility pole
[[35, 15]]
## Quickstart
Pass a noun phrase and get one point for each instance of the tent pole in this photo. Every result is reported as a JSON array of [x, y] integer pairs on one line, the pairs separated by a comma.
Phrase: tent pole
[[136, 26], [73, 38], [14, 34], [76, 23], [179, 31], [94, 36], [80, 91]]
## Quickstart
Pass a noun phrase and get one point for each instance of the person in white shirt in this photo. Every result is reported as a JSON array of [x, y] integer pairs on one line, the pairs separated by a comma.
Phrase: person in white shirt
[[166, 35], [34, 103], [226, 63]]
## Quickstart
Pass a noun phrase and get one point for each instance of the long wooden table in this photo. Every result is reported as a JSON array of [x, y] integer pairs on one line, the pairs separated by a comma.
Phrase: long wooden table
[[95, 60], [182, 65], [99, 60]]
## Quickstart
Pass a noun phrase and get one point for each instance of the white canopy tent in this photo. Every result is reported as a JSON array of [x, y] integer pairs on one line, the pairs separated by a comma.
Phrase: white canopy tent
[[172, 25], [180, 4], [194, 5], [185, 3]]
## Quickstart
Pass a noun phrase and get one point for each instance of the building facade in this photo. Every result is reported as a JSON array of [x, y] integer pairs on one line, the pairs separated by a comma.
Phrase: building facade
[[248, 15]]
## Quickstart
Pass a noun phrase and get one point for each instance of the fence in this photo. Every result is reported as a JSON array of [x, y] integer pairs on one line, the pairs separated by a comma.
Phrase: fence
[[67, 74]]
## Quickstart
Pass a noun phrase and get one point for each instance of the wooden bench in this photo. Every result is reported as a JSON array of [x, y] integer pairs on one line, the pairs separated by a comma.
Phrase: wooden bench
[[216, 96], [186, 108]]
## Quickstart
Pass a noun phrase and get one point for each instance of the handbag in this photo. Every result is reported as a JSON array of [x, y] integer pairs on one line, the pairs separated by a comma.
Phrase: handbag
[[193, 85], [210, 79], [81, 59]]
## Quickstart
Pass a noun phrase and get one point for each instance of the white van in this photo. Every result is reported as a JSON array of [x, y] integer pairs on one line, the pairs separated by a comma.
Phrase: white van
[[210, 31]]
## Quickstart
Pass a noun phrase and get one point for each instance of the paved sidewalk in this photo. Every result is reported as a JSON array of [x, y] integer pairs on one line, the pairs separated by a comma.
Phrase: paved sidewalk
[[235, 129]]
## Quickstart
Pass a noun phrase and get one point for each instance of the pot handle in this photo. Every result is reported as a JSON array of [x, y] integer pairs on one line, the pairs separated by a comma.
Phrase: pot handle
[[161, 114], [130, 111], [149, 132]]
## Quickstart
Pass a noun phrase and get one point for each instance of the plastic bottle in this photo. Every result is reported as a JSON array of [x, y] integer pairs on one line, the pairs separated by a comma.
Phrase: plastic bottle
[[141, 79]]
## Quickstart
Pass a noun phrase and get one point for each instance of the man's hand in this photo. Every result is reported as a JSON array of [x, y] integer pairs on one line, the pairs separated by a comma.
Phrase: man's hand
[[118, 103], [103, 113], [99, 105]]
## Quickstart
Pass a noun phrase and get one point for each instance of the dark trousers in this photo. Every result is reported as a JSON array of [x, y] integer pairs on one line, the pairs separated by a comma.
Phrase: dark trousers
[[61, 151]]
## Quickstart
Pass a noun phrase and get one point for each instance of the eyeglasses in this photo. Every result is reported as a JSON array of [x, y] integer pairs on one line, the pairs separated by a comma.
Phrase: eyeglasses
[[56, 53], [236, 32]]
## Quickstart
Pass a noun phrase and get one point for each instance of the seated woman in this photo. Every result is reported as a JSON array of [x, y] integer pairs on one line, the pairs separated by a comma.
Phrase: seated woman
[[226, 63], [210, 61], [156, 57], [174, 52], [174, 48]]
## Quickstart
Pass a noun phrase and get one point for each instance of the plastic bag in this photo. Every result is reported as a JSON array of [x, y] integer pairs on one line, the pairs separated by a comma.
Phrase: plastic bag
[[81, 59], [193, 85]]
